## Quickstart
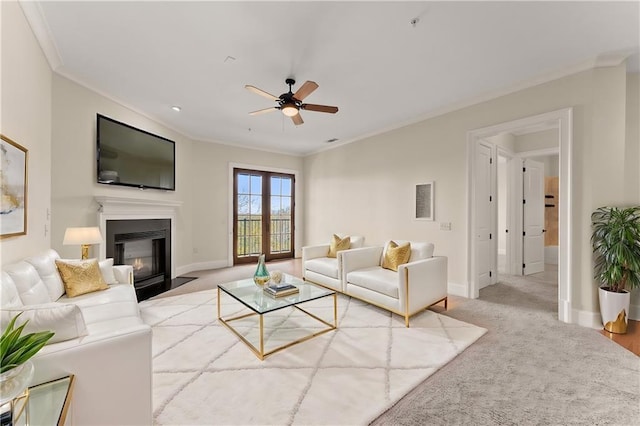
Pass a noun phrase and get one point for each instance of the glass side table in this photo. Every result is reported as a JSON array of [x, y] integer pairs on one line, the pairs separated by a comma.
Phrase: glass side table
[[44, 404]]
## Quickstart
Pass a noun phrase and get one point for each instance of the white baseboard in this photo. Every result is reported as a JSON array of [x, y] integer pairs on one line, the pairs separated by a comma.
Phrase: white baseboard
[[456, 289], [201, 266], [594, 320], [634, 312], [587, 319]]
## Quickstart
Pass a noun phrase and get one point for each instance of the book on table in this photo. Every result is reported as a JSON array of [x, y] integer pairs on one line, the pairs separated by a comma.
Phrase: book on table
[[279, 290]]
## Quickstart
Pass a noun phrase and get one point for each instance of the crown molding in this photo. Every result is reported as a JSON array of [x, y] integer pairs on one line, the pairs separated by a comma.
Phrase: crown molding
[[35, 16]]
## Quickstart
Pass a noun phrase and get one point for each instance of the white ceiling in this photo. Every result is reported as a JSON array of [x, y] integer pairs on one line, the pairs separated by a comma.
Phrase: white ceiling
[[367, 57]]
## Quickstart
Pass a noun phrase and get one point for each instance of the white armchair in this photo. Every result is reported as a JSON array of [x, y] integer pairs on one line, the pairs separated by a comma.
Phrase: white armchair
[[418, 284], [318, 268]]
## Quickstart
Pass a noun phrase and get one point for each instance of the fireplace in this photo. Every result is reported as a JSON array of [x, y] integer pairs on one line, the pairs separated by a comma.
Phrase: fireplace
[[145, 244]]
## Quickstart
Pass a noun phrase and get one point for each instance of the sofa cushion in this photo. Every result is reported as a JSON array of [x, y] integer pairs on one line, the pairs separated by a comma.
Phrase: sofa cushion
[[81, 276], [421, 251], [377, 279], [323, 265], [117, 301], [46, 267], [396, 255], [31, 289], [113, 325], [106, 269], [338, 244], [357, 241], [9, 297], [65, 320]]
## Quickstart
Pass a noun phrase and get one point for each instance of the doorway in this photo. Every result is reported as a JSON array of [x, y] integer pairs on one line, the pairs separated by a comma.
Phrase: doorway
[[476, 265], [263, 215]]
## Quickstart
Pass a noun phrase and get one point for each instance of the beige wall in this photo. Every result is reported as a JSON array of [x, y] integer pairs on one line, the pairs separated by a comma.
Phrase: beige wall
[[632, 156], [212, 183], [202, 183], [73, 177], [537, 140], [366, 187], [377, 175], [25, 118], [632, 161]]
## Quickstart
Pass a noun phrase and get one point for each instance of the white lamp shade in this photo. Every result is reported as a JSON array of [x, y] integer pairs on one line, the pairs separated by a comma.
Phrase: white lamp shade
[[84, 235]]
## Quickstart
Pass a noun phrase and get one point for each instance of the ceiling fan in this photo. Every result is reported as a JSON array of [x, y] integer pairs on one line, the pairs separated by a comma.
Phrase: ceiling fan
[[291, 103]]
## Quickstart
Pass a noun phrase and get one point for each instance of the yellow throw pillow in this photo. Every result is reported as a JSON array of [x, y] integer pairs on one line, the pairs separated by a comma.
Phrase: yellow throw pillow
[[338, 244], [396, 255], [80, 276]]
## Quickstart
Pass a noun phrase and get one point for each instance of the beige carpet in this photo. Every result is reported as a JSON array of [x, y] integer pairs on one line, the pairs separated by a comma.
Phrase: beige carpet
[[203, 374]]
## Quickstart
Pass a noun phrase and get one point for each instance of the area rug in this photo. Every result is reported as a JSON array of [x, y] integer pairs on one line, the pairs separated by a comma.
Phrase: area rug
[[204, 375]]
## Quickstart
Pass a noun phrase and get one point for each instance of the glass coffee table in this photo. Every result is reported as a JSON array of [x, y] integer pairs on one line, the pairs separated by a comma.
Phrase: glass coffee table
[[253, 297]]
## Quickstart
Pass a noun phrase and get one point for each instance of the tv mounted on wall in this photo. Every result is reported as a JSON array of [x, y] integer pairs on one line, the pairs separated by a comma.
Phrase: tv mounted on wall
[[133, 157]]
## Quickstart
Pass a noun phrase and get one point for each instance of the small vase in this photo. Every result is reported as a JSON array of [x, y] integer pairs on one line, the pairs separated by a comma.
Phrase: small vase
[[15, 381], [261, 277]]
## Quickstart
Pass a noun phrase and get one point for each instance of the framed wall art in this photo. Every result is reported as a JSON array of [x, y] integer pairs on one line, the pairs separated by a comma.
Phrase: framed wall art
[[424, 201], [13, 188]]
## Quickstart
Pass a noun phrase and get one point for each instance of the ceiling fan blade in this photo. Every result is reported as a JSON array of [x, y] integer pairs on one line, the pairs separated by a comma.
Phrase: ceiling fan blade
[[297, 119], [305, 90], [260, 92], [320, 108], [262, 111]]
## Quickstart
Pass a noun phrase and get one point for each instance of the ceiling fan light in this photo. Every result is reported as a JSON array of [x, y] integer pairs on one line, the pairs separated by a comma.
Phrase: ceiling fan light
[[289, 110]]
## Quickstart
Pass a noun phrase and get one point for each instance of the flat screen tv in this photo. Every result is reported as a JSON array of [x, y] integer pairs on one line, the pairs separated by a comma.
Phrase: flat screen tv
[[133, 157]]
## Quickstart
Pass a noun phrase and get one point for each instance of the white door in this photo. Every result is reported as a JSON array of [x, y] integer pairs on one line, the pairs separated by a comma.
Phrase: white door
[[533, 217], [483, 217]]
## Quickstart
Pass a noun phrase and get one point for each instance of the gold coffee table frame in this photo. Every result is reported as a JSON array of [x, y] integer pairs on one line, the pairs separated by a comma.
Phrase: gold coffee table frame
[[252, 297]]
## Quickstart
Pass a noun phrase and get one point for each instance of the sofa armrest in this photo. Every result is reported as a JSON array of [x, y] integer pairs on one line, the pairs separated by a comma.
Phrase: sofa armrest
[[123, 273], [313, 252], [427, 282], [365, 257], [113, 375]]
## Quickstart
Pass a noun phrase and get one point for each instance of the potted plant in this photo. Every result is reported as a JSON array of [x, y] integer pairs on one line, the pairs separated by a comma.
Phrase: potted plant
[[15, 352], [616, 245]]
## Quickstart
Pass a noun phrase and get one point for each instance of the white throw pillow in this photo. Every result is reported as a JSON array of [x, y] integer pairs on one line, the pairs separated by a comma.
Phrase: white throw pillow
[[106, 268], [65, 320]]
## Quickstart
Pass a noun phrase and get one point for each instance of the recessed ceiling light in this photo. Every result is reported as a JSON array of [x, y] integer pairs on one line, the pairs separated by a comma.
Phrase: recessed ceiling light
[[176, 108]]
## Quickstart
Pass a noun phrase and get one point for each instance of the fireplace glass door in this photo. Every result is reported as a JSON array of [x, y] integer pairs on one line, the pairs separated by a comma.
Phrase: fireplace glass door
[[145, 252]]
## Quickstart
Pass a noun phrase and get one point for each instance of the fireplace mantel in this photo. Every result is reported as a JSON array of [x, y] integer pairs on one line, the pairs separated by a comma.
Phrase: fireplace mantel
[[120, 208], [136, 204]]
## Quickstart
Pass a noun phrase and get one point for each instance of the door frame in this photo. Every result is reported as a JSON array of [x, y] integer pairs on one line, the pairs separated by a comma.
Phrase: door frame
[[267, 222], [297, 213], [562, 119]]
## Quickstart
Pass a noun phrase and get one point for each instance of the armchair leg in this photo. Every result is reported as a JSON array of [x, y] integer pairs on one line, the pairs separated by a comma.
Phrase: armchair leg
[[406, 320], [446, 300]]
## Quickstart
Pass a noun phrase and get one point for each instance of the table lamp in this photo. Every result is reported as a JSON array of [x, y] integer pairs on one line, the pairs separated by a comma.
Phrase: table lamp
[[84, 236]]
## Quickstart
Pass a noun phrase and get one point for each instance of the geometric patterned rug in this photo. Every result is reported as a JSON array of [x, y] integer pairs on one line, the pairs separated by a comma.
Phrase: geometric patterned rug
[[204, 375]]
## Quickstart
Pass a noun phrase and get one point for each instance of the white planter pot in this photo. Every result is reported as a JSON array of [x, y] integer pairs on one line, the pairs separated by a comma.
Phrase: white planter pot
[[614, 310]]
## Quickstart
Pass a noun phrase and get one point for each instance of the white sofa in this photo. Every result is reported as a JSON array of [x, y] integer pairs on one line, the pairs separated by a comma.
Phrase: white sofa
[[100, 338], [418, 284], [321, 269]]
